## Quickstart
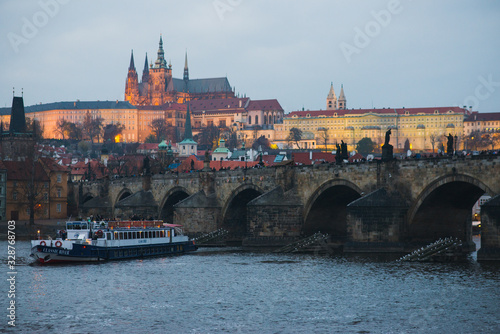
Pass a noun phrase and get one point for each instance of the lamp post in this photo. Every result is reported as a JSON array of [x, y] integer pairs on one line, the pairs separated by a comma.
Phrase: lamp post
[[456, 138]]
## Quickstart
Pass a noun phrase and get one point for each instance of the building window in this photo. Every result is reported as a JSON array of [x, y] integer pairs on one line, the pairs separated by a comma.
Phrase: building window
[[59, 178], [14, 195], [249, 120], [256, 120], [58, 207], [59, 193], [45, 196]]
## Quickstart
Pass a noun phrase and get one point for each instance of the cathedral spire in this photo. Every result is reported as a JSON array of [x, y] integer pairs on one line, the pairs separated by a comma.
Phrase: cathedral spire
[[146, 63], [132, 66], [342, 99], [186, 70], [160, 61], [145, 71], [331, 99], [188, 133]]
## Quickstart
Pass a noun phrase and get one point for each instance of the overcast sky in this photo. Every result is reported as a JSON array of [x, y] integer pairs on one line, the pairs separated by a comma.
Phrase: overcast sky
[[386, 53]]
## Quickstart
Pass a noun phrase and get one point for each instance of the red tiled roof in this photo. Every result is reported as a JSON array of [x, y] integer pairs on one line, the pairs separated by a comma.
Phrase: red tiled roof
[[20, 170], [488, 116], [198, 164], [387, 111], [264, 105], [53, 165], [355, 157], [147, 146]]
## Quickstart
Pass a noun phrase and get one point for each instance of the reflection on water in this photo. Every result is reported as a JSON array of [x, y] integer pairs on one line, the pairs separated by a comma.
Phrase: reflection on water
[[230, 291]]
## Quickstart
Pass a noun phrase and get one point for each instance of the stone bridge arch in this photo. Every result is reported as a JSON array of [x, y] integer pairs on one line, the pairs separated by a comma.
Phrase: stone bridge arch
[[124, 193], [325, 209], [172, 197], [444, 209], [87, 197], [234, 211]]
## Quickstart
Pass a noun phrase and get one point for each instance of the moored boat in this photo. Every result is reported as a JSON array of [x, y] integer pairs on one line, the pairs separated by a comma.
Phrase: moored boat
[[101, 241]]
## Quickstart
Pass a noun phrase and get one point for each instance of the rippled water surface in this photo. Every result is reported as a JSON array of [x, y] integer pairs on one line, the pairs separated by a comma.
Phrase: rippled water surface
[[232, 291]]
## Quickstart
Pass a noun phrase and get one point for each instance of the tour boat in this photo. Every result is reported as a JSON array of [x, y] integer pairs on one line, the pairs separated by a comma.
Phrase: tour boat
[[100, 241]]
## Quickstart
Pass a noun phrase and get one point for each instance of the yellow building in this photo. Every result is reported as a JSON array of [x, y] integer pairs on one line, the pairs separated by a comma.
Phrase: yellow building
[[50, 189], [484, 122], [136, 120], [423, 127]]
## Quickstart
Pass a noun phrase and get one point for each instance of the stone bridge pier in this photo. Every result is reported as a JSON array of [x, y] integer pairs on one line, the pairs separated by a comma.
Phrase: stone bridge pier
[[391, 206]]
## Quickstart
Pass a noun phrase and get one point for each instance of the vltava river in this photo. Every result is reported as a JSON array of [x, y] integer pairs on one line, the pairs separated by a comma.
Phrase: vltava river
[[231, 291]]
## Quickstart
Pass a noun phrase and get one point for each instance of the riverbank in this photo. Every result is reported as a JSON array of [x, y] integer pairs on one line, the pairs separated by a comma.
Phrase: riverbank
[[25, 231]]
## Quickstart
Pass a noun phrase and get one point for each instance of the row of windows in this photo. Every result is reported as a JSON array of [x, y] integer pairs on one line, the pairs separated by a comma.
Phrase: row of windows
[[140, 235]]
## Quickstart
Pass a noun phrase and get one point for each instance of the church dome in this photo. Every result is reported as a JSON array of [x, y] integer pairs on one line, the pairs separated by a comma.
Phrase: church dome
[[163, 145]]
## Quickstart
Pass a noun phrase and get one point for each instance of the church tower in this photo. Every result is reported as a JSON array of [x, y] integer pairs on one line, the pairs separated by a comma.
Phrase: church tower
[[188, 146], [186, 73], [331, 99], [145, 71], [342, 99], [160, 76], [132, 84]]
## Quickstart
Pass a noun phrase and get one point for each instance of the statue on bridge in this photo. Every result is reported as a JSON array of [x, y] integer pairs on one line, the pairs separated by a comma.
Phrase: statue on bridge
[[345, 155], [387, 148], [338, 155], [449, 146], [387, 137]]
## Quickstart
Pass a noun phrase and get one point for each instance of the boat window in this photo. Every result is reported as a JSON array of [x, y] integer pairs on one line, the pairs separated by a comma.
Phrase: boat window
[[129, 235], [134, 235], [125, 235], [108, 236], [116, 236], [168, 234]]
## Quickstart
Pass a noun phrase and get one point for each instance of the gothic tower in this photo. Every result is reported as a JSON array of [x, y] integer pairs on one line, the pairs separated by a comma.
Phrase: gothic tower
[[132, 84], [342, 99], [186, 73], [145, 71], [331, 99], [160, 76]]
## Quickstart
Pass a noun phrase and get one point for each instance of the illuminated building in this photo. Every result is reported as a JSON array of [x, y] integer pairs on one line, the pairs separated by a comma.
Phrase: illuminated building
[[158, 86]]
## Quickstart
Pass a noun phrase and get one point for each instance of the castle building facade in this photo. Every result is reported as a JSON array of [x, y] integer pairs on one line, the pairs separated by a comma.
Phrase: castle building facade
[[424, 128], [158, 86]]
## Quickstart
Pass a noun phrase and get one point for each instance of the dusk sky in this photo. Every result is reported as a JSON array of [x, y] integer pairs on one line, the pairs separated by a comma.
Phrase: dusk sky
[[386, 53]]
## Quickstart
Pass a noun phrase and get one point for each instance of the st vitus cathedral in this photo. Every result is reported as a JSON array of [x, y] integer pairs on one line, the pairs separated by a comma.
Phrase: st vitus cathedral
[[158, 86]]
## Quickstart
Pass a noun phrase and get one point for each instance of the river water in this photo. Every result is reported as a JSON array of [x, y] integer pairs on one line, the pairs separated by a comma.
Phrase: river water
[[228, 290]]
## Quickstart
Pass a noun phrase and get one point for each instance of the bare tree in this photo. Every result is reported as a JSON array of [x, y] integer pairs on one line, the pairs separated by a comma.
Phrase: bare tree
[[434, 138], [295, 136], [209, 136], [158, 128], [92, 127], [110, 131], [323, 135], [75, 131], [61, 127]]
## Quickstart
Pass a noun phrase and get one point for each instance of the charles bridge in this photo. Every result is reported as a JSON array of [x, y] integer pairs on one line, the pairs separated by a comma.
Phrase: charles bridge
[[372, 206]]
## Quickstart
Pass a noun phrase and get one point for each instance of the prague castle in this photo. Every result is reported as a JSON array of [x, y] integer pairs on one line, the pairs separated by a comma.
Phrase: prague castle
[[157, 85]]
